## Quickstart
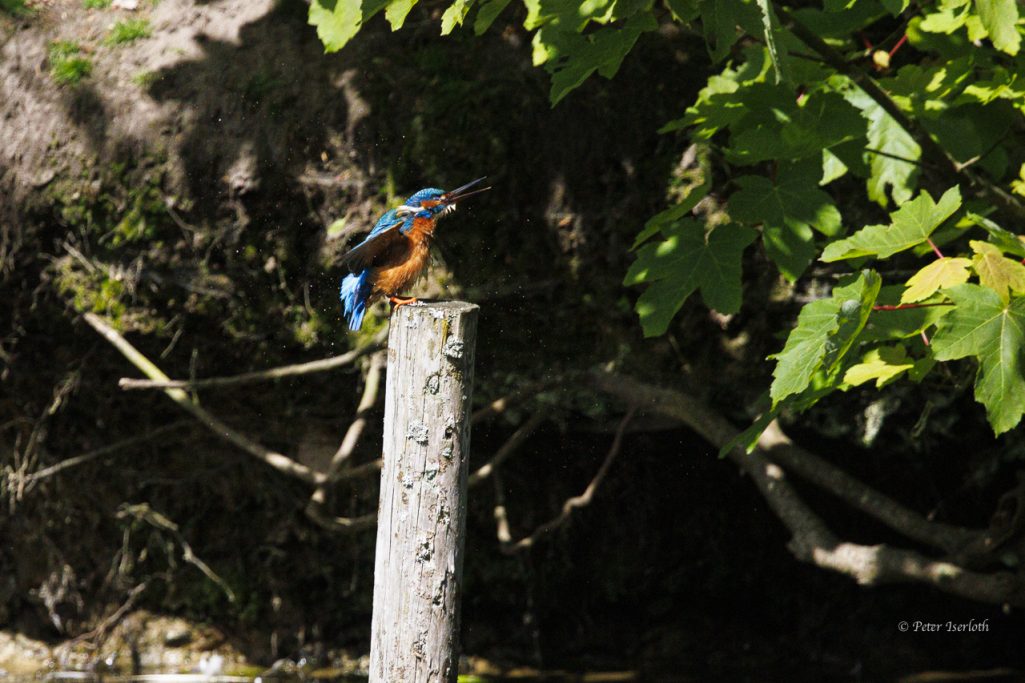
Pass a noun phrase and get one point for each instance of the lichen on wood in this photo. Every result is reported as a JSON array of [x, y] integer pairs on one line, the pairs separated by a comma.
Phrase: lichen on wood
[[422, 516]]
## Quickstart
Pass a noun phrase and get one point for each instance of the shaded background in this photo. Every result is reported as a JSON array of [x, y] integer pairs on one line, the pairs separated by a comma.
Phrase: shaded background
[[192, 190]]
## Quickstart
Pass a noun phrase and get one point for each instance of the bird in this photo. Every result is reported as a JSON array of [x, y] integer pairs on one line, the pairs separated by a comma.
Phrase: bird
[[396, 251]]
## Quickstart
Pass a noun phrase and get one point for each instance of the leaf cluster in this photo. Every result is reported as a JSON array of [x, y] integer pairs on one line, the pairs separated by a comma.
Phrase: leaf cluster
[[810, 128]]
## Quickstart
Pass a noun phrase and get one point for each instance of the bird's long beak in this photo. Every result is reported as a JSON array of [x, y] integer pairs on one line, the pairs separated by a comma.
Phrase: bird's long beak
[[460, 193]]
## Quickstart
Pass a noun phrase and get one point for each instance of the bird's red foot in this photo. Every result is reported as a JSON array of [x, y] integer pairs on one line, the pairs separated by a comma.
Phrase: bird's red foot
[[399, 301]]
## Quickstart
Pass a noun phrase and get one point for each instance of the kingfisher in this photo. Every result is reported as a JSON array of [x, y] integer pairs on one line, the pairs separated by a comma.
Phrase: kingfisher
[[396, 252]]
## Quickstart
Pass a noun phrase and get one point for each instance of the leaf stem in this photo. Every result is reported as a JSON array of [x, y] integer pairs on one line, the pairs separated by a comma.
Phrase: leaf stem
[[901, 307], [935, 249], [903, 39]]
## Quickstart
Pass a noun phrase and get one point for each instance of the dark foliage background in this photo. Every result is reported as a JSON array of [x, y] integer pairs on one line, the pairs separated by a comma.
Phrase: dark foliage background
[[209, 240]]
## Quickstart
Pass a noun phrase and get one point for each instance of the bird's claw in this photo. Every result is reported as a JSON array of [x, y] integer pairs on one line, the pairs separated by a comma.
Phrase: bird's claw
[[399, 301]]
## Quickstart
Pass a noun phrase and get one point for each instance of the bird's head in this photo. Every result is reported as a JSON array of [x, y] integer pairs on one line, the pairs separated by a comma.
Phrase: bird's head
[[431, 202]]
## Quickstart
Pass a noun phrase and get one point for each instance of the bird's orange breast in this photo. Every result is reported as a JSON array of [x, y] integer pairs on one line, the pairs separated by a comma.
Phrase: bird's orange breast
[[407, 262]]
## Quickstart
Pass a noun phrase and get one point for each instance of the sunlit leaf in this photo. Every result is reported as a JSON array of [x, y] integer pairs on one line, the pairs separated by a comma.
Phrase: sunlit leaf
[[985, 327], [397, 11], [1000, 17], [455, 15], [748, 438], [825, 331], [337, 21], [883, 364], [941, 273], [893, 154], [777, 50], [996, 271], [911, 225], [1008, 241]]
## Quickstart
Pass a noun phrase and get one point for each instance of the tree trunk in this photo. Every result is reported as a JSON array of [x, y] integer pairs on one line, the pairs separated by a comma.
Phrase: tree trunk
[[422, 520]]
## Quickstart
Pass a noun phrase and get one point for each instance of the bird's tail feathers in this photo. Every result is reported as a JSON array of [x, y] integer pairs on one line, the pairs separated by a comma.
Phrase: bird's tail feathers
[[356, 289]]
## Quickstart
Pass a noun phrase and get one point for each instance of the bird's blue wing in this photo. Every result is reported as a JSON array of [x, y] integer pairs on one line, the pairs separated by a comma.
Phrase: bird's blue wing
[[383, 236]]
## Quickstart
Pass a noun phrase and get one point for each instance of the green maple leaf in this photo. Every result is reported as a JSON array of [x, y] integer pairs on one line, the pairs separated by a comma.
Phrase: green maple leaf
[[487, 14], [571, 57], [911, 225], [667, 218], [455, 15], [337, 21], [984, 326], [996, 271], [897, 167], [778, 128], [999, 18], [940, 274], [1008, 241], [396, 12], [788, 210], [719, 21], [883, 365], [688, 260], [825, 331]]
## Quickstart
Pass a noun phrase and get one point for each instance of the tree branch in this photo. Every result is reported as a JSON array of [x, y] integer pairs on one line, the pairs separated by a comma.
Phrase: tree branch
[[316, 512], [521, 434], [812, 541], [569, 507], [77, 460], [946, 537], [371, 389], [280, 462], [500, 405], [322, 365]]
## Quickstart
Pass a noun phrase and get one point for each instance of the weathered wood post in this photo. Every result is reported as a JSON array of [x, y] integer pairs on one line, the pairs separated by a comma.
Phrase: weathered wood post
[[422, 515]]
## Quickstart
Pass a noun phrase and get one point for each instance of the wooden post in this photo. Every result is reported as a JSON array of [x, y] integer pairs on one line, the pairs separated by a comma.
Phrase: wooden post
[[422, 516]]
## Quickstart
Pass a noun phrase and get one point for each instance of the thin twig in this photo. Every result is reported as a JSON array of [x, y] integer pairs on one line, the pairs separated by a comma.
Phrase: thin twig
[[322, 365], [576, 502], [105, 626], [345, 524], [501, 514], [144, 513], [500, 405], [371, 389], [340, 524], [278, 461], [508, 448], [100, 452], [357, 471], [896, 157]]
